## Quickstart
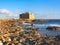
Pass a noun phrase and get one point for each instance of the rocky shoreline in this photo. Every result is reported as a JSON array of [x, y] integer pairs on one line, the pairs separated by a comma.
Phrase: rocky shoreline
[[19, 37], [11, 34]]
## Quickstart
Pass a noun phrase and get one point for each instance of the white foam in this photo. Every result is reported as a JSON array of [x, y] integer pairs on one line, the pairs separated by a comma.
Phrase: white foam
[[26, 23], [46, 25], [57, 25], [34, 24]]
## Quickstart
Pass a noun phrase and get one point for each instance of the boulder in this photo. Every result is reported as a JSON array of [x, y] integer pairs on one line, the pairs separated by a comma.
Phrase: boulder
[[53, 28]]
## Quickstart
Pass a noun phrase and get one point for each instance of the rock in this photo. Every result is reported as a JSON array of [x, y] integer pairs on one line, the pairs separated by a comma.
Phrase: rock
[[8, 39], [53, 28], [18, 44], [22, 40], [1, 43]]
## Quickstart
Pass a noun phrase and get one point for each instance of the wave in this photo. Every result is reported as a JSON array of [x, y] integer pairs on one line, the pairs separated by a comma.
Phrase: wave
[[46, 25], [57, 25]]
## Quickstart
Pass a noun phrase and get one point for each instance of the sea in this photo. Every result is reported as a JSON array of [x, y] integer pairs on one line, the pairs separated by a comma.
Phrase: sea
[[43, 25]]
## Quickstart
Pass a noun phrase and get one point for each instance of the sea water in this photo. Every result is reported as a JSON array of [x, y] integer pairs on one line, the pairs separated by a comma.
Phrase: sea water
[[43, 25]]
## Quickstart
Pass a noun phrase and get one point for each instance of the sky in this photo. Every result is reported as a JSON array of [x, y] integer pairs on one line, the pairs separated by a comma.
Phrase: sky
[[45, 9]]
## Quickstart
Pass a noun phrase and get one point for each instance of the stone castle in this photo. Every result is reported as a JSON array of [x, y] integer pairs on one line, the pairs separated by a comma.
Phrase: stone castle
[[27, 15]]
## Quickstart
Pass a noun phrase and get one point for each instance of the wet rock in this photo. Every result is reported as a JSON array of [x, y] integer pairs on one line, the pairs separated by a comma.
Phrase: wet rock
[[53, 28]]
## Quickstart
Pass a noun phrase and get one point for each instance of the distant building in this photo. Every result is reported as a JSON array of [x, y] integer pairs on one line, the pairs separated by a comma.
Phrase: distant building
[[27, 15]]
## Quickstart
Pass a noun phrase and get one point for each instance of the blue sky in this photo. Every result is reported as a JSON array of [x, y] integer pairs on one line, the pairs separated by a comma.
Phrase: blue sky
[[46, 9]]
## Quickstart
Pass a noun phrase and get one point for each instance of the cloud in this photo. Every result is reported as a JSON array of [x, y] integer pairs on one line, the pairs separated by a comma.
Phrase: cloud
[[5, 11]]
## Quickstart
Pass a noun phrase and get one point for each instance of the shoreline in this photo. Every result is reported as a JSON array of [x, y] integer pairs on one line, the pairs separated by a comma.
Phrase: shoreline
[[14, 34]]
